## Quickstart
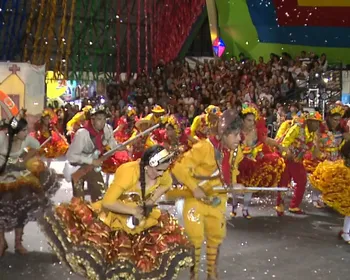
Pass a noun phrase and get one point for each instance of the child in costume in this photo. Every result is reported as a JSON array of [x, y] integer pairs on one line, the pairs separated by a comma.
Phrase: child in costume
[[123, 236], [261, 166], [210, 162], [297, 141], [332, 179], [26, 184]]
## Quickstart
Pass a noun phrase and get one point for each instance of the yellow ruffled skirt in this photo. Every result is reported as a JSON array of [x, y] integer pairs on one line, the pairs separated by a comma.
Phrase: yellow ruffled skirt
[[332, 179]]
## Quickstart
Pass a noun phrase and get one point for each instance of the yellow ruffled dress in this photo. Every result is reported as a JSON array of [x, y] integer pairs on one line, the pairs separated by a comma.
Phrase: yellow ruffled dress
[[332, 179]]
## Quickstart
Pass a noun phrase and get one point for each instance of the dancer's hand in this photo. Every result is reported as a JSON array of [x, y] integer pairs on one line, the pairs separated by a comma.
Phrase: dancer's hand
[[138, 213], [198, 193]]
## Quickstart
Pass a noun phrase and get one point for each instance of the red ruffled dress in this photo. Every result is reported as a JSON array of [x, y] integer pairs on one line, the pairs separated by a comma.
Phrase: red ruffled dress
[[120, 157], [56, 147], [261, 166]]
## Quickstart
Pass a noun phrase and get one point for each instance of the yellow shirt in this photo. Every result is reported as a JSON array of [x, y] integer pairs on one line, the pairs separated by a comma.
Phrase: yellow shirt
[[125, 188], [76, 121], [300, 140], [200, 125], [200, 161], [283, 129], [155, 120]]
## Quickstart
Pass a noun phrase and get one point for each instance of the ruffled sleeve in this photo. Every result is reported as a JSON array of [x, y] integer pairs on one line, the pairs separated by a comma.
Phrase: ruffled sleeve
[[195, 125]]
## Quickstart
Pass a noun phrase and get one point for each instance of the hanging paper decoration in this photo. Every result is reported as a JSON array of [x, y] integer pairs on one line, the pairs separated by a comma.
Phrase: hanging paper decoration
[[181, 14], [78, 38], [219, 47]]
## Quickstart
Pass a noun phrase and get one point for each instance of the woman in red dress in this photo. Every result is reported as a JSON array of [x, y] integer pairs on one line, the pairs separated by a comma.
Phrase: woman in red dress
[[261, 166], [46, 128], [122, 133], [172, 137]]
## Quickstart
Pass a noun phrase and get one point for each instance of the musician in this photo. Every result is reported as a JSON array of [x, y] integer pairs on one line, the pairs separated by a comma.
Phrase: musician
[[127, 235], [196, 171], [25, 185], [87, 145]]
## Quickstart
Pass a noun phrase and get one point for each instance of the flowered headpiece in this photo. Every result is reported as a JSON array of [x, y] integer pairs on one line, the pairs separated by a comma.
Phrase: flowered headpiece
[[46, 113], [316, 116], [336, 109], [211, 109], [250, 109], [130, 111], [172, 120], [157, 109]]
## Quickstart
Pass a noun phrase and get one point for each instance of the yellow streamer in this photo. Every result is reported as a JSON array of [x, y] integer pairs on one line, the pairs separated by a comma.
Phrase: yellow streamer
[[61, 41], [42, 46], [38, 31], [29, 28], [51, 31], [70, 34]]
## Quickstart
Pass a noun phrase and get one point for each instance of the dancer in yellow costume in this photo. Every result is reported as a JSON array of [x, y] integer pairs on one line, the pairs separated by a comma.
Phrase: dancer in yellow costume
[[78, 120], [211, 162], [123, 236], [332, 179], [156, 116], [203, 125]]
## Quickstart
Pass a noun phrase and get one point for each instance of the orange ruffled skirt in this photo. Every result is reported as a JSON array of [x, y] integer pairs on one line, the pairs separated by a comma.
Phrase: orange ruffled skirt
[[333, 180], [54, 148], [265, 171], [90, 248]]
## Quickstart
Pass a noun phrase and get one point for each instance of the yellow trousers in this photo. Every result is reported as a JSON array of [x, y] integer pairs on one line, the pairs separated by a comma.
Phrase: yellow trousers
[[205, 223]]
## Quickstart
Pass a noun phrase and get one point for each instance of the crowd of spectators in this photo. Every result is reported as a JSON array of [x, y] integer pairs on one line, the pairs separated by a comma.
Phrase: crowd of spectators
[[187, 91]]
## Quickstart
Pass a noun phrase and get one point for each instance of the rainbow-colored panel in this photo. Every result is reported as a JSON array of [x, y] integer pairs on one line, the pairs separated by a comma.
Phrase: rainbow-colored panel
[[261, 27]]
